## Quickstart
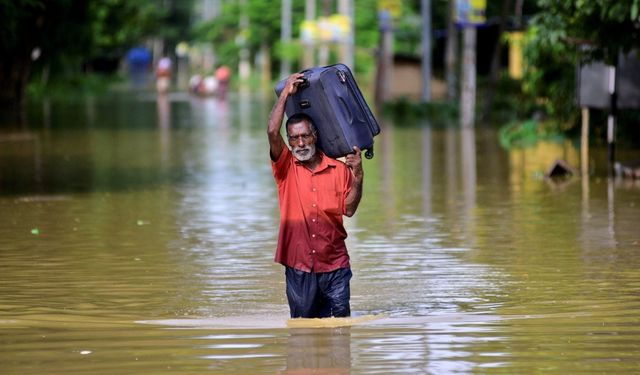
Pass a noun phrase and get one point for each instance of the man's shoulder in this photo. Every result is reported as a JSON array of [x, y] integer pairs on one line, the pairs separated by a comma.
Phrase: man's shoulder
[[284, 155], [333, 162], [281, 166], [338, 164]]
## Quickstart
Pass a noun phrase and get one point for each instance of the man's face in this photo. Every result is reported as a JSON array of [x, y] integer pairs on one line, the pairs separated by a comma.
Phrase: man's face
[[302, 141]]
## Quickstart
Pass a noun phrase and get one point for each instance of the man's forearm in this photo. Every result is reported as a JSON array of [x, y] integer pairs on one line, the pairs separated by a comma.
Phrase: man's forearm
[[277, 115], [353, 199], [276, 143]]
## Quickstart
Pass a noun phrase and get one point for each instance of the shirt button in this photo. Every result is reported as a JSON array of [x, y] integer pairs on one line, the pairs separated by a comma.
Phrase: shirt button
[[313, 220], [313, 205], [313, 235], [313, 251], [314, 189]]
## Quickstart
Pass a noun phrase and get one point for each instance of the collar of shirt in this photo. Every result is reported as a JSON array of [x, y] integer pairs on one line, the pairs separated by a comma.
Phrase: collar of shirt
[[325, 162]]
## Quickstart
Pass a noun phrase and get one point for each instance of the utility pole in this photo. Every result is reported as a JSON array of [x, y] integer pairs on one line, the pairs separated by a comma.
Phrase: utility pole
[[308, 53], [285, 36], [426, 50], [345, 7], [470, 14], [244, 66], [210, 10], [385, 59], [611, 118], [323, 53], [468, 92]]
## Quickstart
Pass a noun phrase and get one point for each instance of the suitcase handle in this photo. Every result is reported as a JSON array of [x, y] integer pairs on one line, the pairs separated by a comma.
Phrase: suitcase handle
[[305, 81], [304, 84]]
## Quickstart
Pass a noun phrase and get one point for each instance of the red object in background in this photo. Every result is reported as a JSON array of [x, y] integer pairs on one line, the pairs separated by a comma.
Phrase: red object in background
[[223, 73]]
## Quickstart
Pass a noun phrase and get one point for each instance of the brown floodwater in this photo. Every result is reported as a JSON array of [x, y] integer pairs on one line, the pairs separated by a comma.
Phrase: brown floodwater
[[137, 237]]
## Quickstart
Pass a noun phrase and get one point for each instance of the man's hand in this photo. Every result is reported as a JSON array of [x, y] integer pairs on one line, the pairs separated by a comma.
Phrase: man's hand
[[354, 161], [291, 85]]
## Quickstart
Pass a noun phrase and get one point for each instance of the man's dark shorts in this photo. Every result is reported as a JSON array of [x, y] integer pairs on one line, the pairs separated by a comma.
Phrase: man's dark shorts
[[318, 295]]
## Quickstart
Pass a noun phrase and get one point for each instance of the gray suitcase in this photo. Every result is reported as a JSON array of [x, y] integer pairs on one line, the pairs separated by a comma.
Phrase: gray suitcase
[[331, 97]]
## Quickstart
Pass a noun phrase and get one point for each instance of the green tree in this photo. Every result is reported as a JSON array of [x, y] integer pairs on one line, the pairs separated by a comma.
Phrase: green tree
[[118, 24], [553, 49], [265, 25], [67, 34], [29, 28]]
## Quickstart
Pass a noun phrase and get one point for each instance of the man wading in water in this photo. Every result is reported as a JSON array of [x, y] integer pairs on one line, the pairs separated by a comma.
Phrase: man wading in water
[[314, 192]]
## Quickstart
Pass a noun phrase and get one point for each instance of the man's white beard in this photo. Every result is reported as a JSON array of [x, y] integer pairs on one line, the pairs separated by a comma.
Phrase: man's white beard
[[301, 155]]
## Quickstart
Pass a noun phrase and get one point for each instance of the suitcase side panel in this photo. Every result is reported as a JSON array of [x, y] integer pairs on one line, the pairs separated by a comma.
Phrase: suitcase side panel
[[349, 115], [359, 99], [357, 121]]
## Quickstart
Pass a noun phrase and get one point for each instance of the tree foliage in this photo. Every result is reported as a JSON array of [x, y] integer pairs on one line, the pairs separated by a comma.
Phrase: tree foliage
[[68, 33], [117, 24], [37, 29], [264, 27], [556, 41], [607, 26]]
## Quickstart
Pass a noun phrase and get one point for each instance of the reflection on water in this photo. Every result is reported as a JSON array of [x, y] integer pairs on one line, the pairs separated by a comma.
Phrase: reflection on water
[[138, 236], [321, 351]]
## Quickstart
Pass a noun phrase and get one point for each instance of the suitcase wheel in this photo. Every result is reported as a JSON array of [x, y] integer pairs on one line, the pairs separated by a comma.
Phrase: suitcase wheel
[[368, 154]]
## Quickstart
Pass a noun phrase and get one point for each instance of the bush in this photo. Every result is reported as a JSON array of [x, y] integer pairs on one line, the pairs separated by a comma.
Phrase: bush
[[528, 133], [406, 112]]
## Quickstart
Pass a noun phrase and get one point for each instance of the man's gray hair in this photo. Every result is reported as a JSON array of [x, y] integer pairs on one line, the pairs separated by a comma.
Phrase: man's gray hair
[[301, 117]]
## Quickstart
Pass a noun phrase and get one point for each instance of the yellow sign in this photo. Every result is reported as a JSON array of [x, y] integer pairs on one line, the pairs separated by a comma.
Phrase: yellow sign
[[394, 7], [515, 54], [309, 31], [335, 28], [471, 12]]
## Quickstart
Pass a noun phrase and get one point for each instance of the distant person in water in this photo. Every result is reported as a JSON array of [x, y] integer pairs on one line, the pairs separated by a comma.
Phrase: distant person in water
[[314, 193], [223, 75], [163, 75]]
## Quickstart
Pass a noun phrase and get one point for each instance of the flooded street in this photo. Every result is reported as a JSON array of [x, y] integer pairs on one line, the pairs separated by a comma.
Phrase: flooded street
[[138, 235]]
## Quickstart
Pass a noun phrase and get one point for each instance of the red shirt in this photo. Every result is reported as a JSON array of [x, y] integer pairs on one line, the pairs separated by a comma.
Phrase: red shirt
[[312, 203]]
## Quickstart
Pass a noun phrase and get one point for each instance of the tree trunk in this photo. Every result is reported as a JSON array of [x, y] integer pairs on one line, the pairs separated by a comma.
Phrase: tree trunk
[[425, 9], [518, 14], [14, 77], [33, 26], [384, 65], [495, 61]]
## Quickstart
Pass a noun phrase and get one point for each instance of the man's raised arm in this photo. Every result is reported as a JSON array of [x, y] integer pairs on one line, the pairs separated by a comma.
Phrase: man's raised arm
[[276, 143]]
